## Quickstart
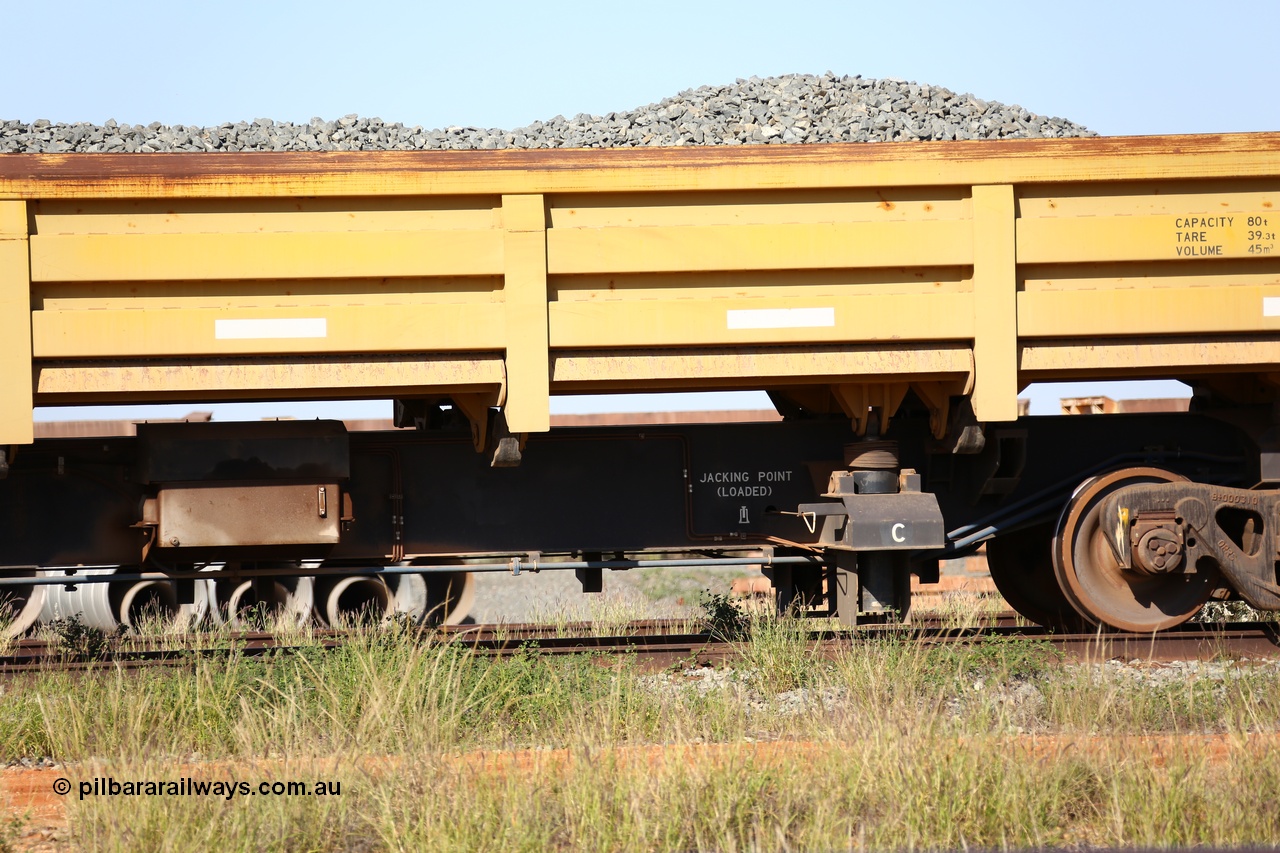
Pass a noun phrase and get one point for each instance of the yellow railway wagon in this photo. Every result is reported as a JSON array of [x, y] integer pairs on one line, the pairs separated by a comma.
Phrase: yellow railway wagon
[[892, 299], [833, 275]]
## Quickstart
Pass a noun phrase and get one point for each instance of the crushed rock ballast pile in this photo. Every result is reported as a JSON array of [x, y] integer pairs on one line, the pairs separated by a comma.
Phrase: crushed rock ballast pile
[[795, 108]]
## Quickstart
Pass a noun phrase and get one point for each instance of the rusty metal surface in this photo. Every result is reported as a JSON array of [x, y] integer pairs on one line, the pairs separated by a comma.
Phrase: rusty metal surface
[[410, 173], [216, 515], [1200, 642], [1096, 584], [651, 648], [1183, 528]]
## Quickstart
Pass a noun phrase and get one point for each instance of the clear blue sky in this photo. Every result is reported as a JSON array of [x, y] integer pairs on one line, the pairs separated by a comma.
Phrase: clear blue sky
[[1118, 67]]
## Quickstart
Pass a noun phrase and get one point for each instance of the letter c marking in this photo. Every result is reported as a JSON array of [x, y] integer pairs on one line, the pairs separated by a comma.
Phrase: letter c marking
[[894, 532]]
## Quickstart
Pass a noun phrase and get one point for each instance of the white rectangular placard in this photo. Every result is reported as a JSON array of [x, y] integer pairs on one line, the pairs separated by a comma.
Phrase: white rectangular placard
[[780, 318], [1271, 306], [300, 327]]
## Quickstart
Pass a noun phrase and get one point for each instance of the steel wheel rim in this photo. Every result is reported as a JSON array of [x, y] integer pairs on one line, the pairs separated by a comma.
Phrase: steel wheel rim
[[1021, 567], [1092, 580]]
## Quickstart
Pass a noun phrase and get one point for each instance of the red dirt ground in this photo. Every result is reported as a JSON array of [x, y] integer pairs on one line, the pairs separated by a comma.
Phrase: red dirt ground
[[28, 794]]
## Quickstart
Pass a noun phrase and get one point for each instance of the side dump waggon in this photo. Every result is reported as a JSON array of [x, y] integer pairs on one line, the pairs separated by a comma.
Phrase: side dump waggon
[[892, 299]]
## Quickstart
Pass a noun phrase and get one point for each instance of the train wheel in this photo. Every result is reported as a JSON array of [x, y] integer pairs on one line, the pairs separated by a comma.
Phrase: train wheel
[[1022, 569], [1093, 581]]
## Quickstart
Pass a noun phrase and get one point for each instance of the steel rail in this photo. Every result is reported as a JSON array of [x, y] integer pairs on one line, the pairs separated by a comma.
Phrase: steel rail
[[652, 646], [1196, 642]]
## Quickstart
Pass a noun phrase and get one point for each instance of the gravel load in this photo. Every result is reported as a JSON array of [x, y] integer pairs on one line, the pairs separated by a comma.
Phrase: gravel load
[[795, 108]]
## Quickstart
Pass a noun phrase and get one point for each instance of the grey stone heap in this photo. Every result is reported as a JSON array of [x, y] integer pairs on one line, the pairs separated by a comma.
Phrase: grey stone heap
[[795, 108]]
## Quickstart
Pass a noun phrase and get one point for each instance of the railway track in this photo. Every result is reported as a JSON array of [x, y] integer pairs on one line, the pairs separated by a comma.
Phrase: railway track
[[1190, 642], [661, 644]]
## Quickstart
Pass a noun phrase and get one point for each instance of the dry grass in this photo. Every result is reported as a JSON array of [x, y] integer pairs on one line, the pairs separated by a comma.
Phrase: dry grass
[[890, 746], [608, 614], [889, 793]]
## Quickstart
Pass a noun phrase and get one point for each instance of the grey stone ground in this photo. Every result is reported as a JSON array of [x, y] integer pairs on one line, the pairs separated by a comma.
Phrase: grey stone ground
[[634, 594]]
